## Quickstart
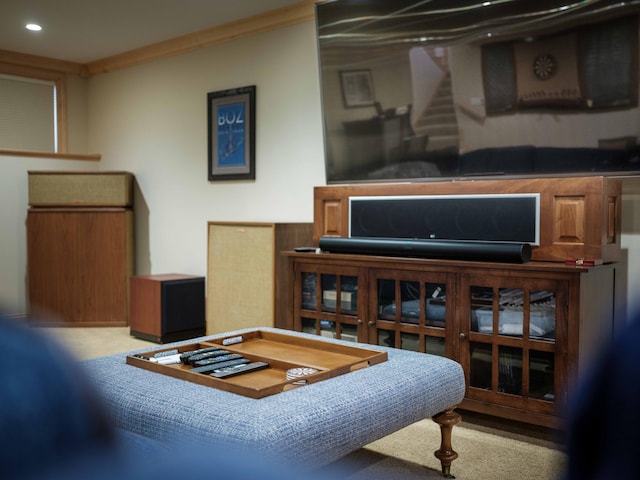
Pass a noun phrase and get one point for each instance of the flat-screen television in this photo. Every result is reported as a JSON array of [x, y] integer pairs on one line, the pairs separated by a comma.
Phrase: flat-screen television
[[441, 89]]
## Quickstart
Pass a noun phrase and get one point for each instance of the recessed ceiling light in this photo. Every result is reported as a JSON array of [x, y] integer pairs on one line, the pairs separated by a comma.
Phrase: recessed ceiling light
[[34, 27]]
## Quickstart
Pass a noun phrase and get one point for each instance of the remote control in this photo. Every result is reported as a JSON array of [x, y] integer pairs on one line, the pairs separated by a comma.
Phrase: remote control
[[166, 353], [237, 370], [210, 361], [307, 249], [190, 353], [232, 340], [167, 359], [216, 366], [221, 366], [203, 356]]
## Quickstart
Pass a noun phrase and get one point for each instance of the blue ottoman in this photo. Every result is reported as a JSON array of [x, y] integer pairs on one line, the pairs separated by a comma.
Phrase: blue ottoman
[[312, 426]]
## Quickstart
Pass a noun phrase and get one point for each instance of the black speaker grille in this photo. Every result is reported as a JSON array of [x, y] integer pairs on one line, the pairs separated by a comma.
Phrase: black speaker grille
[[183, 305], [489, 218]]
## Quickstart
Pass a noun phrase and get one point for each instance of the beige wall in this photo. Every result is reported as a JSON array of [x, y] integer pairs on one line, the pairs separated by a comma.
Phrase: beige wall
[[151, 120], [13, 217]]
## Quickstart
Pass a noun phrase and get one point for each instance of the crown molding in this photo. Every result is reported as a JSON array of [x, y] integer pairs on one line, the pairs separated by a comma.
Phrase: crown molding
[[27, 61], [272, 20]]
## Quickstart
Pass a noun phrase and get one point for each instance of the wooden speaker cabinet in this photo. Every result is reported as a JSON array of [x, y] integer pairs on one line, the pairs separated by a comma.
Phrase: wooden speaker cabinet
[[247, 276], [80, 248], [579, 216], [167, 308]]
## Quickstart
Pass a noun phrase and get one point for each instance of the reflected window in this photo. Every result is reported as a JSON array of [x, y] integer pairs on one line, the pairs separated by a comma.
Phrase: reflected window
[[510, 370], [542, 375], [480, 365], [309, 290], [309, 326]]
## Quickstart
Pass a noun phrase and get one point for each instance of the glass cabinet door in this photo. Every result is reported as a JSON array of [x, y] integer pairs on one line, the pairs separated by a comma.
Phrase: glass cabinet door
[[409, 310], [511, 331], [327, 302]]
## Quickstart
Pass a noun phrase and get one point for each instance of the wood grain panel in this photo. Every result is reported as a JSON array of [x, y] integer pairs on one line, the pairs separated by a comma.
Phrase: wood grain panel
[[80, 261], [569, 220], [145, 306], [332, 218], [592, 230], [611, 219]]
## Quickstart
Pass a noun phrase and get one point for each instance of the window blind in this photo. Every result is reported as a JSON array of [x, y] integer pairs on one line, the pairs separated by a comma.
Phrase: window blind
[[27, 114]]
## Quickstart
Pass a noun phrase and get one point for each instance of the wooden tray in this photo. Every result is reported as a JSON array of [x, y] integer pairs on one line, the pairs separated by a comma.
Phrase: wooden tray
[[280, 351]]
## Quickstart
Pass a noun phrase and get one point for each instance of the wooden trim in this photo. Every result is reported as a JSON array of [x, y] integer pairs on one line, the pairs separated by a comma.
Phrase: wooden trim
[[61, 108], [274, 19], [271, 20], [54, 156], [42, 63]]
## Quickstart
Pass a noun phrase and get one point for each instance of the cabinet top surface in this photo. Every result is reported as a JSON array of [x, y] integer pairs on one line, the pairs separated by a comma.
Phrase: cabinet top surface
[[409, 262]]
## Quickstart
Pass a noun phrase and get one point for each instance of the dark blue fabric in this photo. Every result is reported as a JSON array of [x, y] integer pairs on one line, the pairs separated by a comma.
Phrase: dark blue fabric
[[48, 412], [54, 426], [604, 422]]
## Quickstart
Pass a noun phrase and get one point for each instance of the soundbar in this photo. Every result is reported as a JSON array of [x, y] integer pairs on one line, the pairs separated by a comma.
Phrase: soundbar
[[425, 248]]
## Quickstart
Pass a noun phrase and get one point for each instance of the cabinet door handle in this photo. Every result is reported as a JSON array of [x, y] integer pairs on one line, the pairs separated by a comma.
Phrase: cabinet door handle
[[359, 321], [463, 336], [371, 323]]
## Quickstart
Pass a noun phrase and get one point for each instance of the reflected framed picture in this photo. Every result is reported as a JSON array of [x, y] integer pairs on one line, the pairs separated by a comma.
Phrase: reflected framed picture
[[231, 133], [357, 88]]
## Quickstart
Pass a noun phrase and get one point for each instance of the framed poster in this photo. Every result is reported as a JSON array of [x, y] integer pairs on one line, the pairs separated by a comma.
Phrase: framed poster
[[231, 131], [357, 88]]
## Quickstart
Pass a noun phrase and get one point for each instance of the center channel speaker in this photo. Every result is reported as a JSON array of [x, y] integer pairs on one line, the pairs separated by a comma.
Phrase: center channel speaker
[[484, 217]]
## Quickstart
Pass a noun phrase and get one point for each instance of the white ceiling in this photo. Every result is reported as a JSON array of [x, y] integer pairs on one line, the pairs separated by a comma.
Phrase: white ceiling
[[87, 30]]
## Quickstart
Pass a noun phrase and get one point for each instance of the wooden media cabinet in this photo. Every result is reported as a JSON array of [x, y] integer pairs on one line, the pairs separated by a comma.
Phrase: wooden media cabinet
[[523, 332]]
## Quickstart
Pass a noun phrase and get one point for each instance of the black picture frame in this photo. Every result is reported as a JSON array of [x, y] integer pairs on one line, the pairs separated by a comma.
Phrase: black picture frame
[[231, 134], [357, 88]]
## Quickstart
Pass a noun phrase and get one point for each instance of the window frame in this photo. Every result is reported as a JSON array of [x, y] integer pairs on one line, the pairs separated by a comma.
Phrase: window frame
[[59, 79]]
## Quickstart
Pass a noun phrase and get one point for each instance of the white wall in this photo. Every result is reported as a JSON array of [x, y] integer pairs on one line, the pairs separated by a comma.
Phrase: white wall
[[13, 217], [152, 120]]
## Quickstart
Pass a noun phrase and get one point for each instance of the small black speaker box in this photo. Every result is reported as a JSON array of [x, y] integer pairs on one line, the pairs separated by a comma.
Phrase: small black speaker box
[[167, 308], [486, 218]]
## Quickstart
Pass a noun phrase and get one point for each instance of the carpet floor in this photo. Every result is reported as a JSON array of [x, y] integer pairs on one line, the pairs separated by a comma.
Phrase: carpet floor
[[488, 448]]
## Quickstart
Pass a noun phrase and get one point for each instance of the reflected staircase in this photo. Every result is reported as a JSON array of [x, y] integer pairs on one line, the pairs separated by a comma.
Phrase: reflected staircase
[[438, 121]]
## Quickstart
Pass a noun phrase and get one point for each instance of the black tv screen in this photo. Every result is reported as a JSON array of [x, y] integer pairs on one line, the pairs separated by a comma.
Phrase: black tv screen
[[445, 89]]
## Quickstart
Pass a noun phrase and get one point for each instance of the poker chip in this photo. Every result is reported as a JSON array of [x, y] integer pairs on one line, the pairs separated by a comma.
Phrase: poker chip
[[299, 372]]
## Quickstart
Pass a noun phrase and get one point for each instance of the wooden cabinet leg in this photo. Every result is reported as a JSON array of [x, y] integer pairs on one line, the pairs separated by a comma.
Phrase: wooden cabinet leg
[[446, 454]]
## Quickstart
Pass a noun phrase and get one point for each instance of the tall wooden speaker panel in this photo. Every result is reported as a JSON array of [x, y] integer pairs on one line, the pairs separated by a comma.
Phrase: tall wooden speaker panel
[[247, 276], [80, 247]]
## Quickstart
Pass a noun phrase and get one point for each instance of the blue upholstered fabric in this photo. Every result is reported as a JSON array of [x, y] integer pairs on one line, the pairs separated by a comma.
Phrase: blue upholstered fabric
[[312, 425]]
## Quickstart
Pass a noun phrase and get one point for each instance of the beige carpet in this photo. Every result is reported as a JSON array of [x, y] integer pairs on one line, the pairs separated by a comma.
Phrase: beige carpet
[[489, 449]]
